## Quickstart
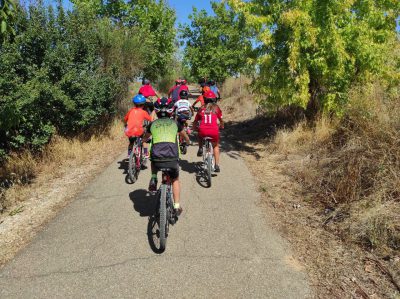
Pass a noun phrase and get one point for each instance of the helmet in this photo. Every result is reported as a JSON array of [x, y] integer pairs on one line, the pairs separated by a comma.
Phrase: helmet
[[209, 97], [212, 82], [178, 81], [145, 81], [164, 107], [183, 81], [206, 89], [184, 94], [139, 99]]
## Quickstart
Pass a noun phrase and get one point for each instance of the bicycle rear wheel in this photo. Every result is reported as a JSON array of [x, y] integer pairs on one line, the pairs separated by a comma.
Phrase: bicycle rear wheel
[[132, 166], [163, 217], [209, 168]]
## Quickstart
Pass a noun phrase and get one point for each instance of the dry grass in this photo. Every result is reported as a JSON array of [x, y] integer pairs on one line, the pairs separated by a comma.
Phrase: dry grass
[[22, 169], [235, 87], [351, 170], [333, 190]]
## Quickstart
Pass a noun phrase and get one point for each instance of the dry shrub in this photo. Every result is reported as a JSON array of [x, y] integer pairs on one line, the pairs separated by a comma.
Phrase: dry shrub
[[302, 138], [352, 166], [233, 87], [22, 168]]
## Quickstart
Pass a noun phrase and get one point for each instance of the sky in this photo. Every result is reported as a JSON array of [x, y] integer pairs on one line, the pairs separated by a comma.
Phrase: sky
[[184, 8]]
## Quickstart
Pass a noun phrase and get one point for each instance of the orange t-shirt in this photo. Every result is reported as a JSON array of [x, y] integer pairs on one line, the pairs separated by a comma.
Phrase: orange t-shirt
[[134, 118], [200, 100]]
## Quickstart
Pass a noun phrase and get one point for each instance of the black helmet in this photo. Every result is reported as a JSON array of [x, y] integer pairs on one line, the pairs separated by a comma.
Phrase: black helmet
[[184, 94], [164, 107], [145, 81], [212, 82]]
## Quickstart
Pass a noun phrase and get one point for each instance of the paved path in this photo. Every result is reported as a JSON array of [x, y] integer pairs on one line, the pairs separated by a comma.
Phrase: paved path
[[98, 247]]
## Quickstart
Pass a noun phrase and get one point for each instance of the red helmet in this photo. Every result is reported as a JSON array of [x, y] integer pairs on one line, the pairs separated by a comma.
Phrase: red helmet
[[183, 81], [164, 107], [178, 81], [209, 97], [205, 90]]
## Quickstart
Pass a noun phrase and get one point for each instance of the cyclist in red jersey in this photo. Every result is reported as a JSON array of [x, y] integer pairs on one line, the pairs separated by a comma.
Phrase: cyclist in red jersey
[[148, 92], [200, 99], [206, 122], [134, 121]]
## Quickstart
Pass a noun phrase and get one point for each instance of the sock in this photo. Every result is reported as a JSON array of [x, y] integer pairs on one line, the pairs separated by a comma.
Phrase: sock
[[145, 150], [176, 205]]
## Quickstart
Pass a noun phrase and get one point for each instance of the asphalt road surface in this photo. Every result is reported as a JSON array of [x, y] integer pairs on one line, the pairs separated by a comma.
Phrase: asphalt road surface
[[98, 247]]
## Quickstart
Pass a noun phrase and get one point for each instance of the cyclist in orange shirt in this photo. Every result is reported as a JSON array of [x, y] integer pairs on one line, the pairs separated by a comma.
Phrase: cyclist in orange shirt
[[200, 99], [134, 121]]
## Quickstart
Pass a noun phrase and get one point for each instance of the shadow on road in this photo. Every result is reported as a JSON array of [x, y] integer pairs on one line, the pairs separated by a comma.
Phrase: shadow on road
[[143, 202], [123, 164], [190, 167]]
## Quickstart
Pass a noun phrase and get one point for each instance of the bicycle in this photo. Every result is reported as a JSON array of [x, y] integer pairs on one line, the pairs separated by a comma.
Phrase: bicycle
[[208, 158], [166, 214], [136, 160]]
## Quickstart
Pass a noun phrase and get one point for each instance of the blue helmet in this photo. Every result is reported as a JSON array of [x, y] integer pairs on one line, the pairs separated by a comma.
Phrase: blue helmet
[[139, 99]]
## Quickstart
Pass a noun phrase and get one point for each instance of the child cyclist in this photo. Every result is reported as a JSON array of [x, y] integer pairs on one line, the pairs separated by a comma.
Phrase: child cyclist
[[183, 110], [206, 122], [134, 121]]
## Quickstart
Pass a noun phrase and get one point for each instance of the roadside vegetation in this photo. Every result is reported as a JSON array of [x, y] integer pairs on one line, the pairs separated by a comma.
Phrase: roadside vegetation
[[325, 102], [65, 74]]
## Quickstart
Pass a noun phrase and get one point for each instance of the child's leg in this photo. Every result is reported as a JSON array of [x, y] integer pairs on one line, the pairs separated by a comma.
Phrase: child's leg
[[216, 152]]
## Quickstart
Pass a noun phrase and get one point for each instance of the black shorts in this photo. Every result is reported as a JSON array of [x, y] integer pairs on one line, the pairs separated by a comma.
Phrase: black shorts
[[173, 165], [132, 139]]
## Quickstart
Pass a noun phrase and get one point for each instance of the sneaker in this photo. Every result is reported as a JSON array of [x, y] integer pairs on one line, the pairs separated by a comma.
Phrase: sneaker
[[153, 185], [178, 211], [217, 169], [200, 152], [146, 155]]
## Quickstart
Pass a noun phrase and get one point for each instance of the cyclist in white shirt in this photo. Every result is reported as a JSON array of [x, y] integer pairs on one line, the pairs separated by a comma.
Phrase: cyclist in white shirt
[[183, 109]]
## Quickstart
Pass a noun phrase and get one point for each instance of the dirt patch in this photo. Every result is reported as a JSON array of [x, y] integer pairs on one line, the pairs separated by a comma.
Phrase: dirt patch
[[52, 189]]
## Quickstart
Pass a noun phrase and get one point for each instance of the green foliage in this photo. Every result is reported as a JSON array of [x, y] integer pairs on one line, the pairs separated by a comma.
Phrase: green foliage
[[216, 46], [313, 51], [156, 21], [7, 14], [65, 72]]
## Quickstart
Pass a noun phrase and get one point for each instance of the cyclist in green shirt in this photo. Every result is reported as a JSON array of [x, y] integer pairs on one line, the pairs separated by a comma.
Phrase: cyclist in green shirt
[[164, 151]]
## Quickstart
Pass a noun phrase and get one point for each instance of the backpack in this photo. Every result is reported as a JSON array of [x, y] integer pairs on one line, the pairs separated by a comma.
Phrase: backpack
[[175, 93], [214, 89]]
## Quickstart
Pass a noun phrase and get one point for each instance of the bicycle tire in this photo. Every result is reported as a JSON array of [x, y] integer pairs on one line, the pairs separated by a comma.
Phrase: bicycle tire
[[209, 168], [132, 166], [163, 217]]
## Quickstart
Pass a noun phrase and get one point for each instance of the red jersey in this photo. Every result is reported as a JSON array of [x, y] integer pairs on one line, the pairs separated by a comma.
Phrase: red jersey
[[208, 121], [134, 119], [147, 91]]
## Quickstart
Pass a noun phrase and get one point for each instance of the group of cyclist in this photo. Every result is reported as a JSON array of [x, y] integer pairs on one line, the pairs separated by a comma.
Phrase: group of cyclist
[[173, 113]]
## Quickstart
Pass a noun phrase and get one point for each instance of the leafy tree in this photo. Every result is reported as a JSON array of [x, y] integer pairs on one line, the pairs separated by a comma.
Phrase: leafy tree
[[156, 22], [312, 51], [217, 46], [7, 13]]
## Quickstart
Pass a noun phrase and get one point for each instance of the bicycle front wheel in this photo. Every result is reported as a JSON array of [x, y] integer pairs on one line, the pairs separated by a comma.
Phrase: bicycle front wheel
[[163, 217]]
